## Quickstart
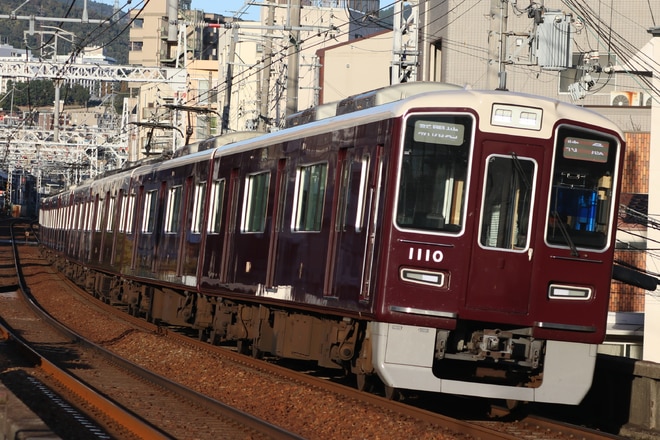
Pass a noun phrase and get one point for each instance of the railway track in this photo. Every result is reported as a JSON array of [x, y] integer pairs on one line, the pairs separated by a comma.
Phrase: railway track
[[430, 424], [129, 401]]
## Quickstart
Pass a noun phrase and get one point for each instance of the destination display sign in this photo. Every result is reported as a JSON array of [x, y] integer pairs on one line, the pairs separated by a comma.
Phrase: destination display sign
[[586, 149], [435, 132]]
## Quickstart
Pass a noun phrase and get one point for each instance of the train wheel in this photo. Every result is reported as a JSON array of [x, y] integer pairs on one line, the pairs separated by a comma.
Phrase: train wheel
[[203, 334], [243, 347], [256, 353], [392, 393], [365, 382]]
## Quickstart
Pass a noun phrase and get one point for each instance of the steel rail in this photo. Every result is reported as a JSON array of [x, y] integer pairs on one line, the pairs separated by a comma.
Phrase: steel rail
[[116, 412]]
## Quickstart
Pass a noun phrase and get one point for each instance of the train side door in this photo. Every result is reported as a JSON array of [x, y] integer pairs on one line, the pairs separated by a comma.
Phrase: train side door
[[252, 210], [502, 258], [349, 258]]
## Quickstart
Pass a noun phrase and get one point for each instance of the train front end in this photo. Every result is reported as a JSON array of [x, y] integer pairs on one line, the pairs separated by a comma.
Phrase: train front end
[[497, 247]]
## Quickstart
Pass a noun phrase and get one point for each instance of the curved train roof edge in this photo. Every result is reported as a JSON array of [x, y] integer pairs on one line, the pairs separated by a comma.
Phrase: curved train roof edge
[[397, 100], [371, 106]]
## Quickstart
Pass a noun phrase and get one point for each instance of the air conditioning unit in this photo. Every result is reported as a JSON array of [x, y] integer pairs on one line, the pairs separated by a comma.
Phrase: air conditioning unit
[[626, 99]]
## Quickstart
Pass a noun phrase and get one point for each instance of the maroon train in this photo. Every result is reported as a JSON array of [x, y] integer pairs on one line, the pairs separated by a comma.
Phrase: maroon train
[[442, 239]]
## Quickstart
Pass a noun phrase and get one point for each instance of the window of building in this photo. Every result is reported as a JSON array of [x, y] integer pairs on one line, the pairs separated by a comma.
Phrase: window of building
[[138, 23], [136, 46]]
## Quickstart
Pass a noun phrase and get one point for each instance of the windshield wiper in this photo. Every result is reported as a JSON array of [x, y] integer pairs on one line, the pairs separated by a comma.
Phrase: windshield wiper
[[564, 233]]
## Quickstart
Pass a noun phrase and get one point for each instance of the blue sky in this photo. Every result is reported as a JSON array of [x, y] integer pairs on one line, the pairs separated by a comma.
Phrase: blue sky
[[224, 7]]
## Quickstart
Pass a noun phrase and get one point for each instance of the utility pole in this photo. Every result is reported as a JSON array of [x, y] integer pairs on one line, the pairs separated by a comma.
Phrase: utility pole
[[405, 51], [229, 81], [497, 44], [262, 123], [293, 58]]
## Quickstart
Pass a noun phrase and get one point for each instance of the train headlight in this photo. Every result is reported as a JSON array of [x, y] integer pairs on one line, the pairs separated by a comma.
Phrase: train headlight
[[558, 291]]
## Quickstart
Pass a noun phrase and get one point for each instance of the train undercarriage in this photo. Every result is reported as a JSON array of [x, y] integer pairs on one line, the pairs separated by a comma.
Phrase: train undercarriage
[[471, 353]]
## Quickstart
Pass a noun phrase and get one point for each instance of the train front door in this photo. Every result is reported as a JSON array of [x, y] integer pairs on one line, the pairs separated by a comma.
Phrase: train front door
[[502, 258]]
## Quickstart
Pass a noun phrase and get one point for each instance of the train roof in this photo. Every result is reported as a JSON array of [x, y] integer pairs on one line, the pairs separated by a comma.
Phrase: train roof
[[398, 100], [388, 102]]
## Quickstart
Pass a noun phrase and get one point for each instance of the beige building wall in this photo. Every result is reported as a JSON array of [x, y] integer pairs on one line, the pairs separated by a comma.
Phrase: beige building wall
[[355, 67], [326, 27], [149, 25], [457, 34]]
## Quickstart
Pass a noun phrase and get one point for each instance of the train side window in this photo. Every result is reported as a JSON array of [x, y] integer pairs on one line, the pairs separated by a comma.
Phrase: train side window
[[81, 217], [89, 214], [149, 214], [198, 208], [130, 213], [433, 173], [71, 216], [255, 202], [581, 203], [352, 171], [110, 223], [309, 197], [344, 195], [173, 209], [362, 195], [100, 204], [126, 215], [215, 207], [507, 199], [123, 213]]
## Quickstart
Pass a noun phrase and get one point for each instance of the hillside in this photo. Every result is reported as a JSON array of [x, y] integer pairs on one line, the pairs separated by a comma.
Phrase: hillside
[[114, 37]]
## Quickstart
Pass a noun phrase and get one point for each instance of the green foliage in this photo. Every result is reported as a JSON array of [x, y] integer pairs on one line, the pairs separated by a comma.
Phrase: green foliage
[[41, 93], [113, 36]]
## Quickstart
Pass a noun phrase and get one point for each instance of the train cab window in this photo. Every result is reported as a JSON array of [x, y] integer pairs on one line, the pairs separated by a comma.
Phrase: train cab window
[[309, 197], [149, 214], [507, 198], [173, 209], [433, 173], [198, 208], [581, 205], [216, 203], [255, 202]]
